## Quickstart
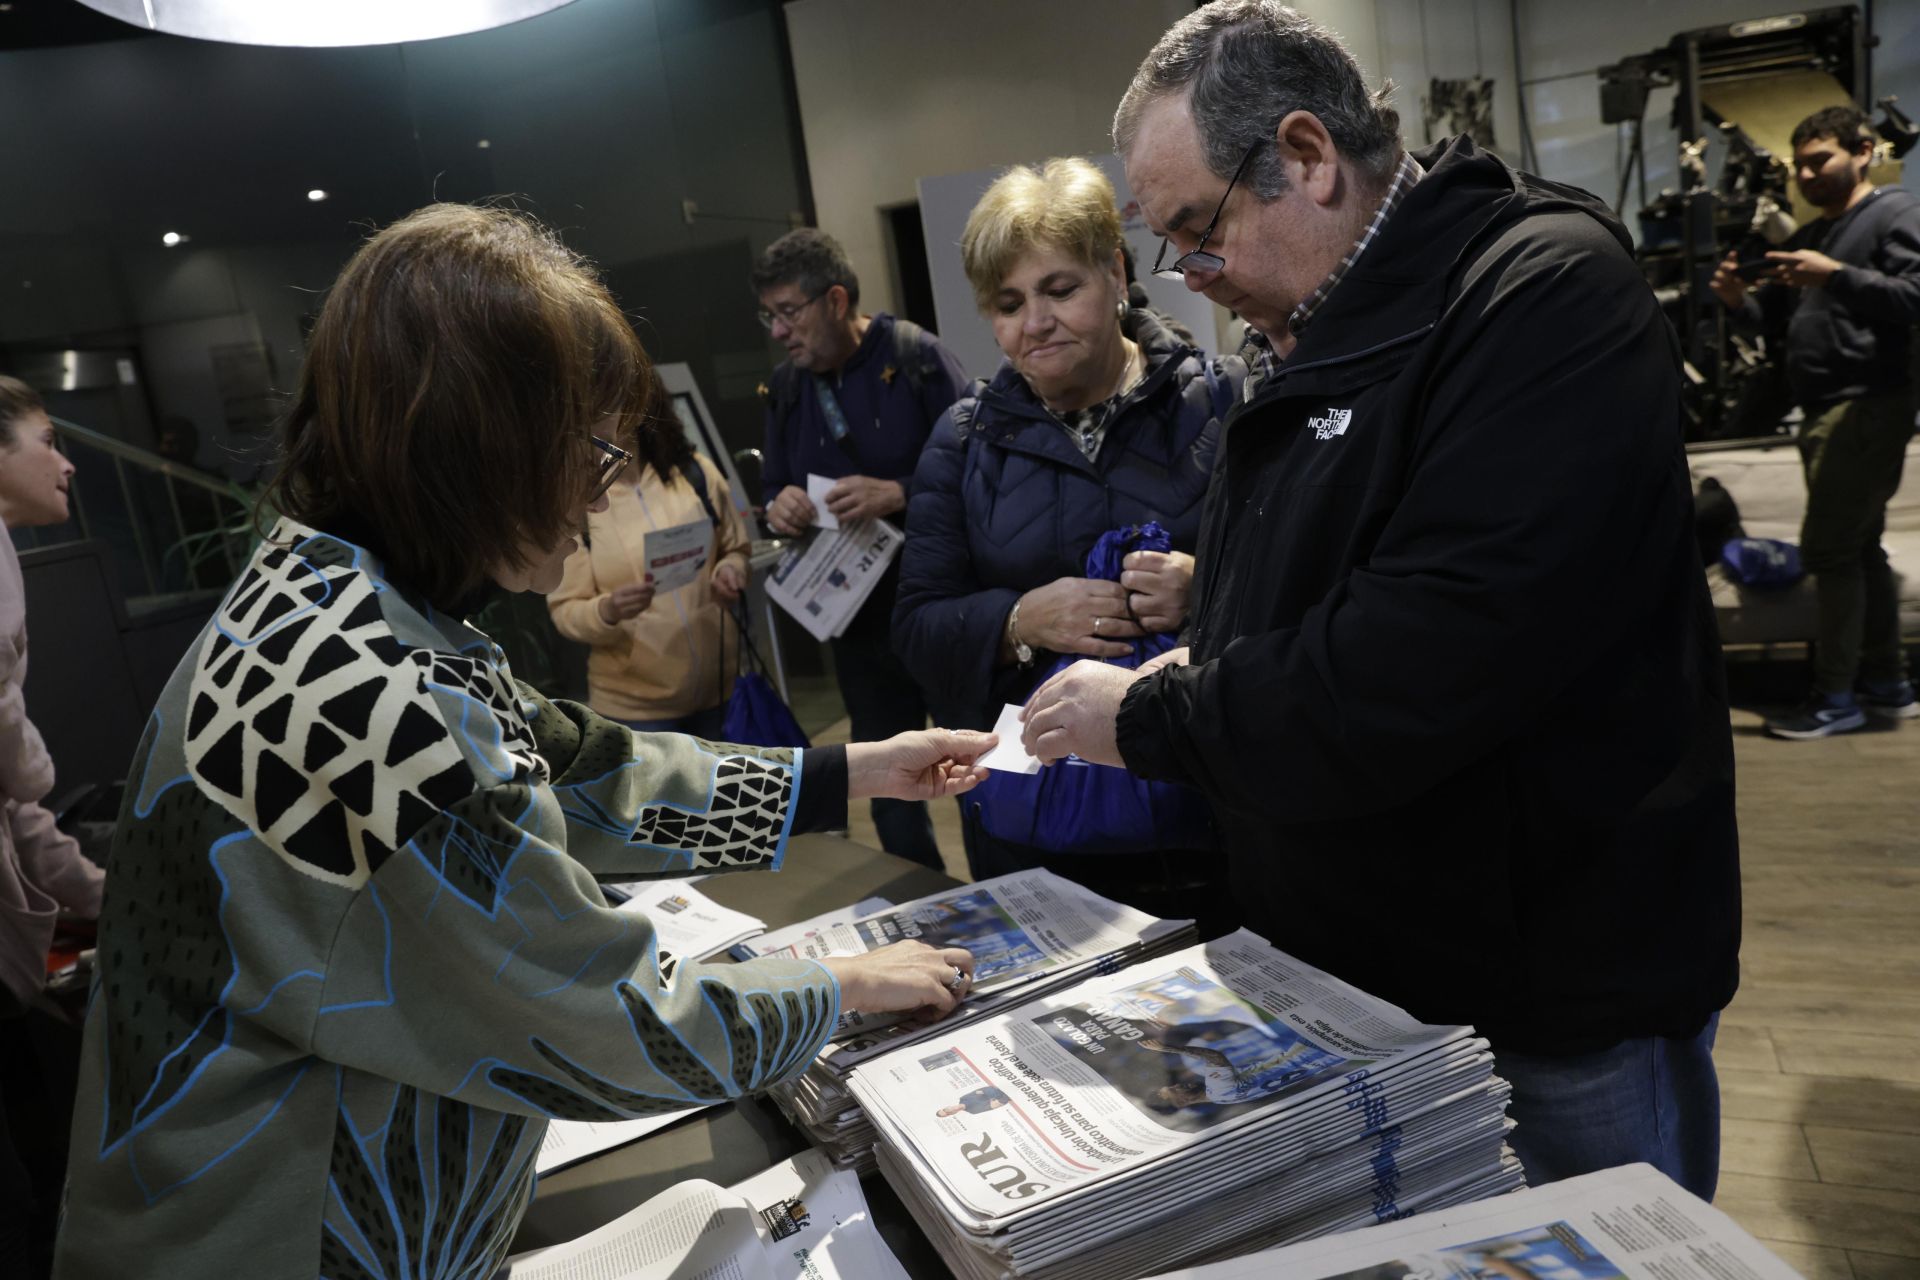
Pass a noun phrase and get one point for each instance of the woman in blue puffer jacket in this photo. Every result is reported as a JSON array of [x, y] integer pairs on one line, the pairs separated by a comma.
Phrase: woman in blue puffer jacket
[[1101, 419]]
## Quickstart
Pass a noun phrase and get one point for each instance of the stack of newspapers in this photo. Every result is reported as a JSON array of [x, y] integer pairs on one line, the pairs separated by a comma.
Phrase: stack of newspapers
[[1030, 933], [1217, 1100]]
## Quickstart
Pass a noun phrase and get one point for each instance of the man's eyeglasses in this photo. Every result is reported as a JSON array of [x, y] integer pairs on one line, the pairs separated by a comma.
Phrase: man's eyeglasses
[[1204, 264], [787, 315], [613, 460]]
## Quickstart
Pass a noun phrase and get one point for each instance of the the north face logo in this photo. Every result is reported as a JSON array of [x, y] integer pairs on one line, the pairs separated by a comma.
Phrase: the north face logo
[[1334, 424]]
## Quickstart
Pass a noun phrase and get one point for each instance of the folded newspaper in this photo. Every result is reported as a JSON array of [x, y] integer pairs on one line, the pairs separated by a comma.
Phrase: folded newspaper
[[1630, 1223], [802, 1219], [1217, 1100], [1030, 933], [687, 922], [824, 578]]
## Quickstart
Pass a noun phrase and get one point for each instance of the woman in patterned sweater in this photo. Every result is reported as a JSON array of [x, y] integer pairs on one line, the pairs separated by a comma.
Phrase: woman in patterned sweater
[[354, 955]]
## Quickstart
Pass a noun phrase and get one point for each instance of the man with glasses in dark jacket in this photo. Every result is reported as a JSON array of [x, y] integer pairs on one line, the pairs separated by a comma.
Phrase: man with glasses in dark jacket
[[1454, 689], [854, 402]]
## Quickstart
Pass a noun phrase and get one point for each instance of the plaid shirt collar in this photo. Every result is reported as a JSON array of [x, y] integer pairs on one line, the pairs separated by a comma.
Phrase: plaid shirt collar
[[1404, 177], [1260, 353]]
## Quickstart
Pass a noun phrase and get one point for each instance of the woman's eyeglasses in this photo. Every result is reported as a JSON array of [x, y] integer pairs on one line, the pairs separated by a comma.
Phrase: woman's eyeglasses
[[613, 461]]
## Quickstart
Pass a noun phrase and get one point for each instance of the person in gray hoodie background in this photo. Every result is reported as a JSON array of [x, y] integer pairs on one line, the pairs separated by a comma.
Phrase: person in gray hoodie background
[[1844, 293]]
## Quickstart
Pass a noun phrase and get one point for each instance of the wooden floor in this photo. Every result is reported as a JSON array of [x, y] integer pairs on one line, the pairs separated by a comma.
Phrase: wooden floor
[[1819, 1055]]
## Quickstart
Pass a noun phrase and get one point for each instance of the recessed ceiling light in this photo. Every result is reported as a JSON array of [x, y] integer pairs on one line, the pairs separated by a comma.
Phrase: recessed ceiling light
[[316, 195], [483, 144], [173, 238]]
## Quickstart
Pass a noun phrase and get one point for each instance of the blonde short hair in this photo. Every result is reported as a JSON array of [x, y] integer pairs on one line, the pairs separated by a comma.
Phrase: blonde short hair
[[1065, 205]]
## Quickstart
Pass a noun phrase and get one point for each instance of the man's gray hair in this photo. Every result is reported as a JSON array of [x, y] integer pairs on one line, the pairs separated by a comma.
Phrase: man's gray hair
[[810, 258], [1247, 64]]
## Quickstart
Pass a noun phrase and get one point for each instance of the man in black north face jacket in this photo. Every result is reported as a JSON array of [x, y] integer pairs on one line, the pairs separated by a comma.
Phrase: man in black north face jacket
[[1454, 688]]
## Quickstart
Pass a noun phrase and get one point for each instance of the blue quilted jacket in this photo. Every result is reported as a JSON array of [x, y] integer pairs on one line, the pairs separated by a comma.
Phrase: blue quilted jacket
[[1003, 502]]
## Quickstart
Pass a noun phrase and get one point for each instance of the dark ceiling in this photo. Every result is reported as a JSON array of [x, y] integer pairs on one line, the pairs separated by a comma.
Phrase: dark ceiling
[[126, 139], [118, 135], [38, 24]]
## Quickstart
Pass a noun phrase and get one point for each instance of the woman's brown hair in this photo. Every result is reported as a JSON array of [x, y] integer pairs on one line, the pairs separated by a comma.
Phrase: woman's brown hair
[[449, 395]]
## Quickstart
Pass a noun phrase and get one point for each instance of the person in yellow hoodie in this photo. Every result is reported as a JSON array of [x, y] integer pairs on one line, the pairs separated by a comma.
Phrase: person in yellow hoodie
[[662, 661]]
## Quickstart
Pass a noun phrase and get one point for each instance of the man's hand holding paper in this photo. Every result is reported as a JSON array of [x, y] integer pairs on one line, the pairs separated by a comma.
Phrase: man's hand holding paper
[[1073, 714], [1009, 756], [851, 499], [792, 512]]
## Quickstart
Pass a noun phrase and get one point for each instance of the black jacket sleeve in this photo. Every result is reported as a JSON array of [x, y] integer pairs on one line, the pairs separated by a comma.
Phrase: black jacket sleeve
[[1889, 291], [946, 624], [822, 802], [1544, 492]]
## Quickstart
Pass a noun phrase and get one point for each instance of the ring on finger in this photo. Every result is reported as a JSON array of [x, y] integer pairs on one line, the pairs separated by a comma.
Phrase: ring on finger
[[1096, 625], [958, 980]]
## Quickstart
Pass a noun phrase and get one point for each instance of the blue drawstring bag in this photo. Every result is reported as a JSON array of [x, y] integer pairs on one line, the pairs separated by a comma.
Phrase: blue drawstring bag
[[1076, 807], [1766, 563], [756, 714]]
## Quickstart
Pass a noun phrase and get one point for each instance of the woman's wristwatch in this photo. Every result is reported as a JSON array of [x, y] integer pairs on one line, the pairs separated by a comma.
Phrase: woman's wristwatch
[[1022, 652]]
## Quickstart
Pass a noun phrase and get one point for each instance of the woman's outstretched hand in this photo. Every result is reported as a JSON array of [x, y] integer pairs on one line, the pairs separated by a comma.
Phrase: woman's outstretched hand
[[927, 764], [903, 977]]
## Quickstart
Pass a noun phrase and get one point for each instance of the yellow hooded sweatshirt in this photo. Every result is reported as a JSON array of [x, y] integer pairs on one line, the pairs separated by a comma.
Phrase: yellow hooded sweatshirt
[[667, 661]]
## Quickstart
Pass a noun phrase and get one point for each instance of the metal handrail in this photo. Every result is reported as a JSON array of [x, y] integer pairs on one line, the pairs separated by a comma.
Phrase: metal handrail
[[151, 461], [193, 548]]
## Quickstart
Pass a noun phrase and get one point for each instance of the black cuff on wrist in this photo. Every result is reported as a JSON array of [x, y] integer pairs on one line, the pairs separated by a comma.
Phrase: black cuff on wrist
[[822, 805]]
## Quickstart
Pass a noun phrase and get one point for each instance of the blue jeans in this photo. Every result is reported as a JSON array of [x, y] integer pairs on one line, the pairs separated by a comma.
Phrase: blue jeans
[[1655, 1100], [701, 724]]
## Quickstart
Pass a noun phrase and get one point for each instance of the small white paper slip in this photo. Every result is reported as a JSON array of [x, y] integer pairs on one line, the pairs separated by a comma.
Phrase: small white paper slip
[[817, 489], [1009, 756], [677, 556]]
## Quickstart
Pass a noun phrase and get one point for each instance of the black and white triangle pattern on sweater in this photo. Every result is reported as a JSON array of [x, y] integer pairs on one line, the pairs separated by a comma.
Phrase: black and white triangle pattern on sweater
[[313, 724], [495, 722], [741, 828]]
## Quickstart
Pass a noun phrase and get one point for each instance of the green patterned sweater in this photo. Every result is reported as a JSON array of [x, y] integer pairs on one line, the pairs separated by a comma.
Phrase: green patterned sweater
[[354, 954]]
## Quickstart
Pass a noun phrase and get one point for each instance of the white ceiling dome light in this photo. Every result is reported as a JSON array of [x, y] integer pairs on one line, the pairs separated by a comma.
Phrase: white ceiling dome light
[[321, 23]]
